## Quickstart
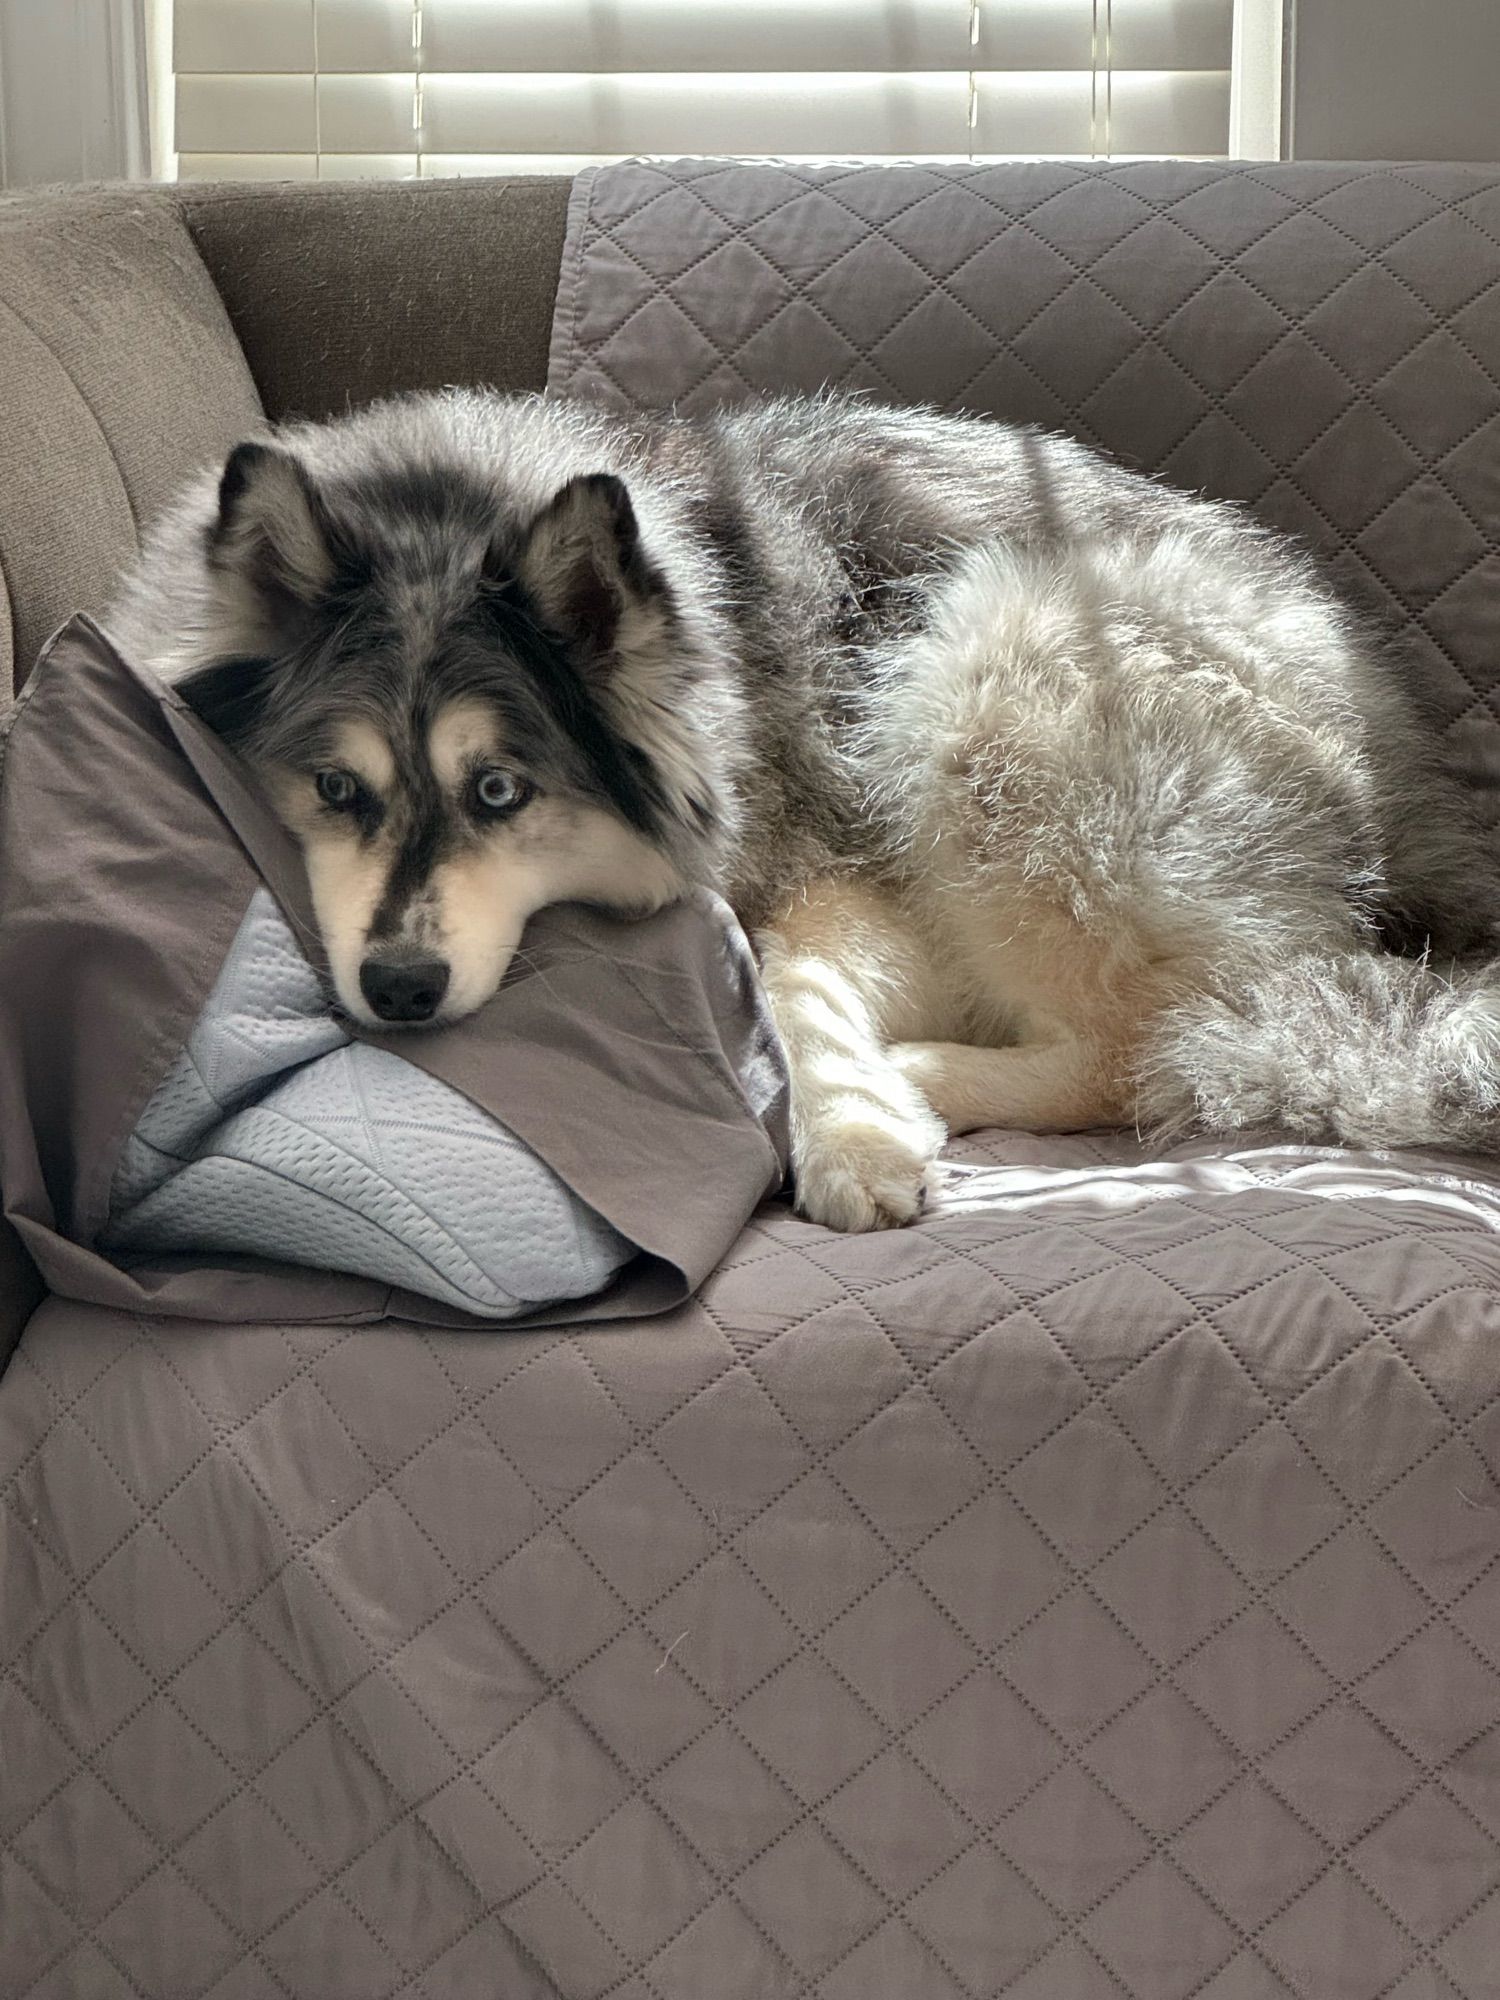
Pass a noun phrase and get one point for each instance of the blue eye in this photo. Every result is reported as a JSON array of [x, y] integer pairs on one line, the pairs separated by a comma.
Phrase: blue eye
[[338, 789], [497, 791]]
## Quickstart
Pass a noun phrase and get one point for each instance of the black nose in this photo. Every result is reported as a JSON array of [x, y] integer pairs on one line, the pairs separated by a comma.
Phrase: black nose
[[412, 991]]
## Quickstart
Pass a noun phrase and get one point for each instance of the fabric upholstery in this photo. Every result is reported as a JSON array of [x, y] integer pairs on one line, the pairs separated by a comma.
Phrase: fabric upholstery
[[123, 350], [121, 373], [119, 377], [1090, 1592], [20, 1289], [347, 292], [1322, 342]]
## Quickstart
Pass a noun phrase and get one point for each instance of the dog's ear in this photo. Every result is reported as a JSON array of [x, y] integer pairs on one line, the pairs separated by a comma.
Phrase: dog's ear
[[583, 567], [228, 695], [271, 528]]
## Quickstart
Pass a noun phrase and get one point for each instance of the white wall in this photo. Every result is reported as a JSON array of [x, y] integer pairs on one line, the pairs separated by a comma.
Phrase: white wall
[[1395, 80], [72, 91]]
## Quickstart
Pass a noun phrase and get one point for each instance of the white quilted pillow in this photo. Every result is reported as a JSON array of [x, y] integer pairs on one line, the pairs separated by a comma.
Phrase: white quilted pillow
[[274, 1133]]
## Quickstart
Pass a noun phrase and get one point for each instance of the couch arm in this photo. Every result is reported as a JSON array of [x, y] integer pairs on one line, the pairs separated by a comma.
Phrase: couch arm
[[20, 1290]]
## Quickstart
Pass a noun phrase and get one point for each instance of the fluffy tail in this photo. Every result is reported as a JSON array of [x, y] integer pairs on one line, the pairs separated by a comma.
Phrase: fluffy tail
[[1364, 1050]]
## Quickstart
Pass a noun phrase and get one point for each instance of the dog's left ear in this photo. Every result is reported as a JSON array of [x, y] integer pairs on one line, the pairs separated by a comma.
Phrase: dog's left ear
[[583, 567], [229, 695]]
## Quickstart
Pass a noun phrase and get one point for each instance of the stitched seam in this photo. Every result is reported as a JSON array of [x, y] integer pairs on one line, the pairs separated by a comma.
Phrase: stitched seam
[[1355, 392], [1303, 1723]]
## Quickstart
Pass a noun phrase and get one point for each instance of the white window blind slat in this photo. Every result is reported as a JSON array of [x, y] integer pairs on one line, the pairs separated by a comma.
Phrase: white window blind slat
[[1193, 105], [658, 35], [506, 36], [366, 82], [255, 167], [248, 114], [229, 36]]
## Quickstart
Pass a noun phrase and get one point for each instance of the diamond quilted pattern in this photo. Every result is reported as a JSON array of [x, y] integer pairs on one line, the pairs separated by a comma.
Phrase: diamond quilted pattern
[[1472, 1953], [78, 1878], [1089, 1595], [984, 1747], [669, 1712], [1341, 1773], [1435, 1695], [814, 1931], [664, 1885], [809, 1729], [906, 1471], [1076, 1666], [1437, 1520], [723, 1628], [1321, 1598], [897, 1682], [1255, 1681], [400, 1885], [983, 1922], [728, 1802], [1168, 1588], [816, 1520], [895, 1958], [876, 1817], [1164, 1757], [1074, 1841], [1317, 341], [149, 1943], [1128, 1674], [989, 1600], [1161, 1903], [1433, 1867], [1249, 1853], [1336, 1940]]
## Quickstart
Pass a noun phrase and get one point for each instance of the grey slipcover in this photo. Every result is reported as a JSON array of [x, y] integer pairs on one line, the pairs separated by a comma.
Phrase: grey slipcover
[[1321, 342], [1094, 1591]]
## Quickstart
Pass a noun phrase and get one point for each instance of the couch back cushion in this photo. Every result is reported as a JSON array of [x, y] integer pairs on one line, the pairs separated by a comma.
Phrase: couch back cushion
[[348, 291], [1320, 342], [119, 377]]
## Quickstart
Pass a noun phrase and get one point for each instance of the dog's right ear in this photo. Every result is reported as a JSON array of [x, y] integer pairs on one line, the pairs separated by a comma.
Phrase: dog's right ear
[[271, 529]]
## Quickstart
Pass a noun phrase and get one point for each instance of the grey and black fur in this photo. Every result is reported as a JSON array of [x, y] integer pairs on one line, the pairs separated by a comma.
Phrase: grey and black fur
[[1055, 796]]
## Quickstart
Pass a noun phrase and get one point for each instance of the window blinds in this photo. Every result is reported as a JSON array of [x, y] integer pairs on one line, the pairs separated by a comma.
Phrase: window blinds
[[341, 88]]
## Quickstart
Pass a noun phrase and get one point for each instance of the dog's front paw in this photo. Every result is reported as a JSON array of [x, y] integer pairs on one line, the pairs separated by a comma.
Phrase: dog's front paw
[[866, 1173]]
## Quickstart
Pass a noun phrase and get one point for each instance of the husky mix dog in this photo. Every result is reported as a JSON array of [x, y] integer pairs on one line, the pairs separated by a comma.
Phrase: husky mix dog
[[1054, 798]]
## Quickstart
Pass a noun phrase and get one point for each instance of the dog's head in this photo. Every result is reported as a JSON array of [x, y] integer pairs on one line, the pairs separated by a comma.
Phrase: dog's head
[[461, 717]]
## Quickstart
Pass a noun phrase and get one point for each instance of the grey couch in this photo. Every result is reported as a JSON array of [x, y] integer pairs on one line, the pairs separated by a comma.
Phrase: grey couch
[[143, 330], [1092, 1591]]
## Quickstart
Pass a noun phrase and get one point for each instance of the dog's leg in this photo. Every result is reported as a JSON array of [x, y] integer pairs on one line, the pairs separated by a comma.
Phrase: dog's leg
[[844, 971], [1059, 1086]]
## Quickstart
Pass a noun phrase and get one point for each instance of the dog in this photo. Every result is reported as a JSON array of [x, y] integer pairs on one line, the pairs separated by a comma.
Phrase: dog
[[1053, 798]]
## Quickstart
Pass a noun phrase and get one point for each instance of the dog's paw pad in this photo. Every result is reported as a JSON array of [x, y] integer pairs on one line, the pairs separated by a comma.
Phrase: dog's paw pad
[[862, 1177]]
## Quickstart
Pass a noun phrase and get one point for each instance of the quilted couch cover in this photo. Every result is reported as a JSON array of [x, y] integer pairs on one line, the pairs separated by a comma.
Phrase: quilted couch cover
[[1091, 1591]]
